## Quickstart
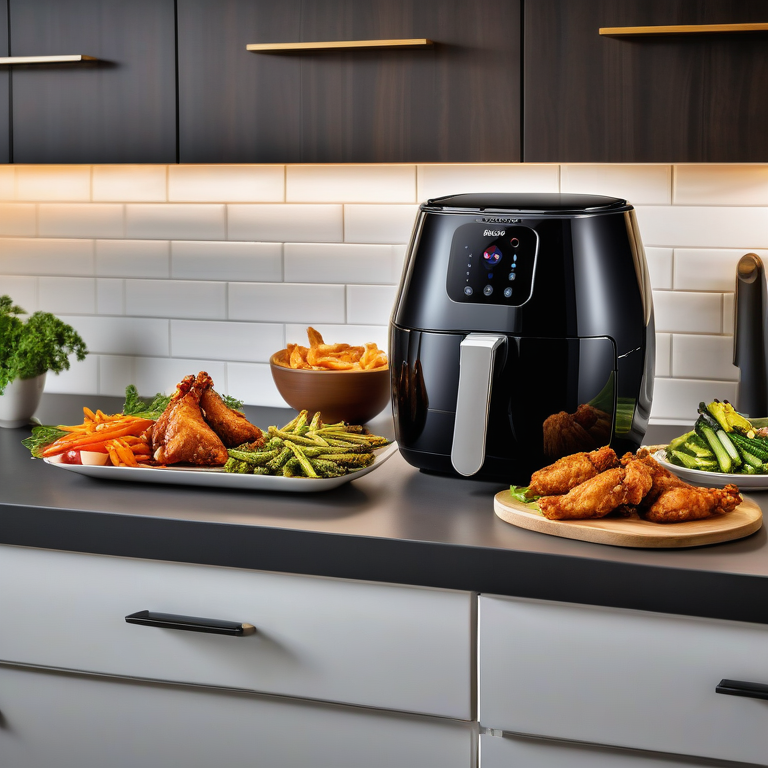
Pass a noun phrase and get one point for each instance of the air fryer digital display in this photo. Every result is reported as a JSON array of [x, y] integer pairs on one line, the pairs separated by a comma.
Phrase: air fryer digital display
[[492, 264]]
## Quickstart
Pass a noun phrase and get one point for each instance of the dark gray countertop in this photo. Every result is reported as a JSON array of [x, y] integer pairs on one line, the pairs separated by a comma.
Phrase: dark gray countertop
[[393, 525]]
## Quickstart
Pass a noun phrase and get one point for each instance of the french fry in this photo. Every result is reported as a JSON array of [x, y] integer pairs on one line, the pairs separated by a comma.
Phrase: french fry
[[320, 356]]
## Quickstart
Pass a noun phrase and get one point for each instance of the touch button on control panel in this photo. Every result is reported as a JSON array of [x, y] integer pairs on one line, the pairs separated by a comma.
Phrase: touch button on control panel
[[492, 264]]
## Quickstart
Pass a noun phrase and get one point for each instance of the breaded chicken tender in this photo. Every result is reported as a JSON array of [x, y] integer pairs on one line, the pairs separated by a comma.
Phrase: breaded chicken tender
[[570, 471], [601, 494], [679, 504]]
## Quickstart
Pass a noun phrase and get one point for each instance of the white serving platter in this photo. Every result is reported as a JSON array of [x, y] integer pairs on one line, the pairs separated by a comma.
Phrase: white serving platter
[[716, 479], [214, 477]]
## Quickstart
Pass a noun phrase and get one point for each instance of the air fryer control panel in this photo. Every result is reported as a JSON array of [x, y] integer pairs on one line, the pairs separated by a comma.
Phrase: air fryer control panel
[[492, 264]]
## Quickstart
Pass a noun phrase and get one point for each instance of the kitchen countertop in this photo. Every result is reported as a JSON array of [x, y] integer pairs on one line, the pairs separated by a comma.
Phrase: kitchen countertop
[[394, 525]]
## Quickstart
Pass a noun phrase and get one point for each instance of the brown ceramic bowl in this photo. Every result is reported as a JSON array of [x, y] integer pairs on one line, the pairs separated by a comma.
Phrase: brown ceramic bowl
[[351, 396]]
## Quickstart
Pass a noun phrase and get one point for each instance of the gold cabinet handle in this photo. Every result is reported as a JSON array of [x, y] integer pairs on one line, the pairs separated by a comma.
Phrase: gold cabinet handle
[[683, 29], [44, 59], [337, 45]]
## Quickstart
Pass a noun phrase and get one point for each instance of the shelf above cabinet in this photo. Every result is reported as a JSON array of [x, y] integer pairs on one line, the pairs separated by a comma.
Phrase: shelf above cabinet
[[683, 29], [45, 59], [337, 45]]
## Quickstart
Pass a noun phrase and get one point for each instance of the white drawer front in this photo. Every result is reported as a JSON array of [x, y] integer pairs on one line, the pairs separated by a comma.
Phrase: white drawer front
[[512, 752], [335, 640], [624, 678], [65, 721]]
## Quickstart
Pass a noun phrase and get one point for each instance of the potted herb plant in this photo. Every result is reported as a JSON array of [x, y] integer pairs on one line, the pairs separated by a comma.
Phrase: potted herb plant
[[28, 350]]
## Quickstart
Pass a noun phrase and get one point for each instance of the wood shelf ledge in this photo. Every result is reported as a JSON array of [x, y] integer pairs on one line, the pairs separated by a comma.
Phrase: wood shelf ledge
[[337, 45], [683, 29]]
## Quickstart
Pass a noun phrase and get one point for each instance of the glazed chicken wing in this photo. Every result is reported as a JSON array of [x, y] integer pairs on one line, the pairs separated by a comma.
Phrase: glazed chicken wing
[[570, 471], [600, 494], [231, 426], [685, 502], [181, 434]]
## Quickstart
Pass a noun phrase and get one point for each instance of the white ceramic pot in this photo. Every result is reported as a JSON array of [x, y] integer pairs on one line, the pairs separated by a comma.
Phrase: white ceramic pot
[[20, 400]]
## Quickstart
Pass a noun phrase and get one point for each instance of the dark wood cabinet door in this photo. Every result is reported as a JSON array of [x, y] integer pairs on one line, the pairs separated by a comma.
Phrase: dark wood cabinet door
[[119, 109], [455, 101], [682, 98]]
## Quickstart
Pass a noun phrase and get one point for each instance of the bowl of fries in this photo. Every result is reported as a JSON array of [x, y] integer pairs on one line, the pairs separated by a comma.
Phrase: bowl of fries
[[343, 382]]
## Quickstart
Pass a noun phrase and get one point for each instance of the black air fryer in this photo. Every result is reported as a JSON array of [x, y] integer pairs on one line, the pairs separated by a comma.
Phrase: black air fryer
[[523, 331]]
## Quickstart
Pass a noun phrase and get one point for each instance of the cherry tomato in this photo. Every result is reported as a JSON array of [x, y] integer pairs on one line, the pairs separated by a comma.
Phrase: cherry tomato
[[71, 457]]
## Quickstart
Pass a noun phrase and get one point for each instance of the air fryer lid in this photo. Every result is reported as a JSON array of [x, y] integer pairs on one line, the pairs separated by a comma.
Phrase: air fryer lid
[[541, 204]]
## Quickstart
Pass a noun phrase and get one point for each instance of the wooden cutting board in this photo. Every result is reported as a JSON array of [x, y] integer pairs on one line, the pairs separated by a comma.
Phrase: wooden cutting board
[[630, 532]]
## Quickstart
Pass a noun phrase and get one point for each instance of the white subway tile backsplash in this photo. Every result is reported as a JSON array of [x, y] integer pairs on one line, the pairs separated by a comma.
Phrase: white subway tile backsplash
[[7, 182], [169, 270], [124, 335], [703, 357], [351, 184], [379, 223], [677, 399], [289, 303], [244, 342], [80, 220], [110, 296], [659, 267], [172, 221], [18, 219], [82, 378], [67, 295], [133, 258], [57, 183], [638, 184], [688, 312], [161, 374], [190, 299], [370, 304], [663, 358], [721, 185], [115, 374], [440, 180], [321, 223], [703, 227], [20, 256], [355, 335], [340, 263], [253, 384], [209, 260], [700, 269], [226, 183], [23, 291], [728, 317], [130, 183]]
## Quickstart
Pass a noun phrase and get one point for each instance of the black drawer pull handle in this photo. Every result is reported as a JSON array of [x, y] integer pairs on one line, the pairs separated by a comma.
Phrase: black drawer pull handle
[[190, 623], [740, 688]]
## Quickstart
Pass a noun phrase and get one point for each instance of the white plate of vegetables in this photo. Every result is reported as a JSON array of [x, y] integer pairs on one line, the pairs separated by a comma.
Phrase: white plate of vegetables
[[723, 447]]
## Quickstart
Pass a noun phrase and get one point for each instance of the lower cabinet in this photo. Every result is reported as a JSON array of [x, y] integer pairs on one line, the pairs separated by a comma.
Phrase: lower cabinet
[[621, 678], [337, 673], [510, 751], [69, 720]]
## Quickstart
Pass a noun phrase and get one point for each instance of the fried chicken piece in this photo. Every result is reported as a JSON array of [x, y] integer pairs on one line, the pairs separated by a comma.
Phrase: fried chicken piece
[[231, 426], [570, 471], [681, 503], [600, 494], [672, 500], [563, 435], [181, 434]]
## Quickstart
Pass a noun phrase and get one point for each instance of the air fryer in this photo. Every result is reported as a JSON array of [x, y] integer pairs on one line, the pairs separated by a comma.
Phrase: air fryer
[[522, 332]]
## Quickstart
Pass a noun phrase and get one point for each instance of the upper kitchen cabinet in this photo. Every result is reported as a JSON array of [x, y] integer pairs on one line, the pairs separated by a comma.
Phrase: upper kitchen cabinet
[[452, 97], [118, 108], [690, 96]]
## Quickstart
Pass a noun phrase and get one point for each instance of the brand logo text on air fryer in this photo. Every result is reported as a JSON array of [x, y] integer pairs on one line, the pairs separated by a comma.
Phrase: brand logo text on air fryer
[[499, 220], [493, 232]]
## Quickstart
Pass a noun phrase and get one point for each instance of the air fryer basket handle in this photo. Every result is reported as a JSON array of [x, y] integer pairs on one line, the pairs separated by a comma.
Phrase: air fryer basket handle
[[476, 358]]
